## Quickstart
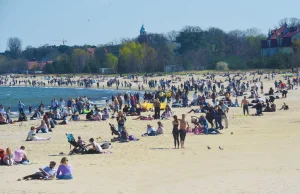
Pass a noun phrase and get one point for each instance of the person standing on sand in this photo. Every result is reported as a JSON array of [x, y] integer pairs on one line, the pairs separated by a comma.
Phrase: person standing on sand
[[245, 104], [156, 109], [183, 125], [21, 107], [175, 131]]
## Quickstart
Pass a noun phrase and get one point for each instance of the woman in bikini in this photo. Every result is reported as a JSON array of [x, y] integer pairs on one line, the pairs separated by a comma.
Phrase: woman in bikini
[[175, 131]]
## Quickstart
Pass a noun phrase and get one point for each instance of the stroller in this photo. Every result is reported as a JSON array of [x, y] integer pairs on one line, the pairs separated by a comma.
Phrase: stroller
[[77, 148], [114, 131]]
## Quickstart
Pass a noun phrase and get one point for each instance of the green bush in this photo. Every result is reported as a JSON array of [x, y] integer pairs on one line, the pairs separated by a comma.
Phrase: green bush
[[222, 66]]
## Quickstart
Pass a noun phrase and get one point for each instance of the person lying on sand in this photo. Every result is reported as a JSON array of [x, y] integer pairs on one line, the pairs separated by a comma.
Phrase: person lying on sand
[[149, 117], [46, 173]]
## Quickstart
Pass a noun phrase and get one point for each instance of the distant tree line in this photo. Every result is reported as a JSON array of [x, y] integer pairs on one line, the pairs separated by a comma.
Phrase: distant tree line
[[192, 48]]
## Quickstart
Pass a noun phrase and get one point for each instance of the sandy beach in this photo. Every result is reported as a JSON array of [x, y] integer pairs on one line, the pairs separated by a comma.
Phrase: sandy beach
[[260, 155]]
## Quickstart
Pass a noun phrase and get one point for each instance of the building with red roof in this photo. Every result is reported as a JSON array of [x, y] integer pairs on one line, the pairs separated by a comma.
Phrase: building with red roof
[[37, 65], [280, 40]]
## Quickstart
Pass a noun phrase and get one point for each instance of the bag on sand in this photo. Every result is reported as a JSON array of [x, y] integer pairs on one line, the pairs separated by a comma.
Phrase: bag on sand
[[105, 145], [132, 138]]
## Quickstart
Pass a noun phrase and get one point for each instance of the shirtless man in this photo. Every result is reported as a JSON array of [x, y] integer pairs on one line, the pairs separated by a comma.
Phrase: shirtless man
[[183, 124], [245, 104]]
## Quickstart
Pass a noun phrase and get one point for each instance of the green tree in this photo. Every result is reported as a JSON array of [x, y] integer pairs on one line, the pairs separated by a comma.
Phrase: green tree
[[49, 68], [222, 66], [111, 61], [131, 57], [79, 59]]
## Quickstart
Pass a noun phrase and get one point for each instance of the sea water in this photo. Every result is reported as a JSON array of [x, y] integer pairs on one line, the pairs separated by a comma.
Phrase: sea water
[[10, 96]]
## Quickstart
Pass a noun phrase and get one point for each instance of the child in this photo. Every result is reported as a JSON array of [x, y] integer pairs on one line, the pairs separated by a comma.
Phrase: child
[[30, 109], [80, 142]]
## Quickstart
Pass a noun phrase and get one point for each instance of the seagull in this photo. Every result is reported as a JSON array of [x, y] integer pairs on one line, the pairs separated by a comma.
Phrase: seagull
[[220, 148], [208, 147]]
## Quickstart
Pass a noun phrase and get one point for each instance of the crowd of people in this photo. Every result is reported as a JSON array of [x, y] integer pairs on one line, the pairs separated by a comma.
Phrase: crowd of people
[[211, 99]]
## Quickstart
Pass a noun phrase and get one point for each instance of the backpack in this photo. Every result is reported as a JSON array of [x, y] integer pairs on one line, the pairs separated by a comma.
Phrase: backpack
[[132, 138]]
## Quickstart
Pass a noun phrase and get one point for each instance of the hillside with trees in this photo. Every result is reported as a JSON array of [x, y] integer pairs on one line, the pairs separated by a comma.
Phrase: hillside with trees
[[193, 48]]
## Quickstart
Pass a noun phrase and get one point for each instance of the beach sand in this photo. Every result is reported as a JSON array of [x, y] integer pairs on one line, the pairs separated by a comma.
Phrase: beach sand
[[261, 156]]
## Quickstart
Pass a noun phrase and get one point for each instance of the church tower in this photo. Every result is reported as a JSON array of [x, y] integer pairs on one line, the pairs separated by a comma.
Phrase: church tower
[[143, 31], [143, 35]]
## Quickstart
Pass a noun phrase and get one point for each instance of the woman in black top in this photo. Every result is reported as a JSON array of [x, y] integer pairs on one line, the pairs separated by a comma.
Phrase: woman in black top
[[175, 131]]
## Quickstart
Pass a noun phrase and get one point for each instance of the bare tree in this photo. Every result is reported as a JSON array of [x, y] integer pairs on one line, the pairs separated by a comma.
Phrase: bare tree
[[294, 22], [291, 22], [171, 36], [253, 32], [14, 46]]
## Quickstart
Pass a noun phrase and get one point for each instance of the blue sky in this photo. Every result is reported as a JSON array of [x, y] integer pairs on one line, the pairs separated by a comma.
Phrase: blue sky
[[39, 22]]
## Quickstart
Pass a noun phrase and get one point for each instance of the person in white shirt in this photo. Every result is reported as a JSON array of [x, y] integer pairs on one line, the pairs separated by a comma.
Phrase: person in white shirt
[[8, 158], [195, 98], [98, 116], [151, 131], [96, 148], [2, 109], [62, 104], [31, 136]]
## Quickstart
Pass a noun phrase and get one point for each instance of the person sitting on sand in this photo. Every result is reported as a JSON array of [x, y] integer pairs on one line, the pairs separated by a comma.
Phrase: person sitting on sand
[[36, 115], [32, 136], [259, 108], [97, 116], [2, 153], [3, 120], [64, 170], [271, 91], [8, 158], [284, 107], [80, 142], [20, 156], [160, 129], [43, 127], [46, 173], [96, 148], [105, 114], [65, 119], [75, 116], [151, 131], [126, 109], [90, 116], [22, 117], [236, 103], [124, 137]]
